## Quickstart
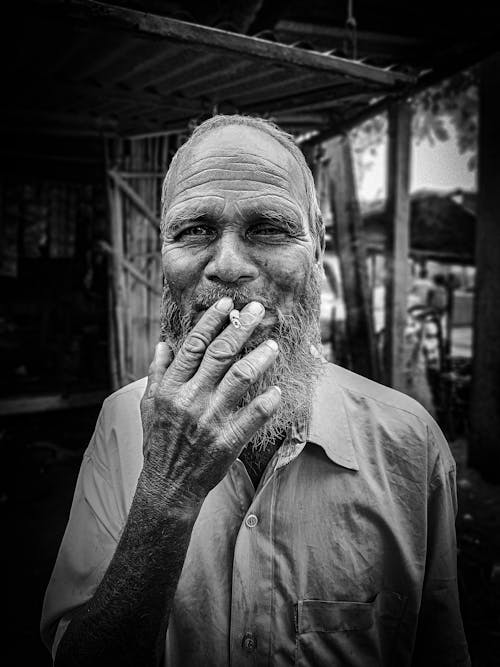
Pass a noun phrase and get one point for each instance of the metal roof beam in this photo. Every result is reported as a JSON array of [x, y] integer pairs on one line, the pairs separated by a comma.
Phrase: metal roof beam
[[150, 25], [450, 66]]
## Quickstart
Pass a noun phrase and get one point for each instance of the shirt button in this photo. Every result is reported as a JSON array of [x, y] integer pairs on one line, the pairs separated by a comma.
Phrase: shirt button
[[251, 521], [249, 642]]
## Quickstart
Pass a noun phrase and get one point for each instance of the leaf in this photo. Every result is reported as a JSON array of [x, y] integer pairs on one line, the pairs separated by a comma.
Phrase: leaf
[[472, 163], [441, 133]]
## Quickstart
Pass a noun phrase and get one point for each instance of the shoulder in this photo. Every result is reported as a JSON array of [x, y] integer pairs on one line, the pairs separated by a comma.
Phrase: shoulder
[[129, 395], [387, 398], [120, 418], [117, 440], [381, 416]]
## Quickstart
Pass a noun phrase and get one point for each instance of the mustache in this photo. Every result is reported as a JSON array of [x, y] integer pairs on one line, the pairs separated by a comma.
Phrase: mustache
[[207, 296], [296, 369]]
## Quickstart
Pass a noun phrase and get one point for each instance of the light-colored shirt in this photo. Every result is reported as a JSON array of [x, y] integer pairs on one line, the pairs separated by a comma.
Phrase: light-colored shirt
[[344, 555]]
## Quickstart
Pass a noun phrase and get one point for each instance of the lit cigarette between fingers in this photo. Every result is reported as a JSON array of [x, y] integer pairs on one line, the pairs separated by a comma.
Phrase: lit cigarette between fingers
[[234, 318]]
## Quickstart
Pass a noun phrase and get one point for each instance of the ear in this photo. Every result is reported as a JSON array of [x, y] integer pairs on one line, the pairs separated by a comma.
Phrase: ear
[[319, 249]]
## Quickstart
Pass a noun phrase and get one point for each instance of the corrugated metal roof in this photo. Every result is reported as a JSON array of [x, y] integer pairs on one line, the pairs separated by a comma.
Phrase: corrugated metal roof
[[85, 66], [441, 227]]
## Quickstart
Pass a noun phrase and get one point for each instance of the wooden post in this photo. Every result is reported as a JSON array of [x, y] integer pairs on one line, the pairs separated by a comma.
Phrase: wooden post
[[119, 293], [135, 198], [484, 450], [130, 268], [139, 259], [348, 235], [112, 356], [397, 243]]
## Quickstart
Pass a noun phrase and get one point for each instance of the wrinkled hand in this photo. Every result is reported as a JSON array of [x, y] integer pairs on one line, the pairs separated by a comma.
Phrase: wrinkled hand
[[192, 427]]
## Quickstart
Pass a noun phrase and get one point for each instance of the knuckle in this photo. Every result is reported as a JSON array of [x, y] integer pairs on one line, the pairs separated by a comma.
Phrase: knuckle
[[264, 406], [183, 364], [221, 348], [195, 343], [244, 372], [213, 317], [171, 405], [183, 401], [232, 436], [247, 319], [205, 424]]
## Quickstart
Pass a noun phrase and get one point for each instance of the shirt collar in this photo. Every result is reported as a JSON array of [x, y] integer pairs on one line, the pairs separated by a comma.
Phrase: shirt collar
[[329, 426]]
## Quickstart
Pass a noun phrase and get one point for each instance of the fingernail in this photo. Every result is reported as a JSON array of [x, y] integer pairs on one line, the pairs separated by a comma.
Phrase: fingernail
[[255, 308], [162, 353], [160, 348], [272, 344], [224, 305]]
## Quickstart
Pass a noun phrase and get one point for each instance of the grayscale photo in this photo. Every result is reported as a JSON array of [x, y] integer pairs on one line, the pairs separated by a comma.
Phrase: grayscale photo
[[250, 333]]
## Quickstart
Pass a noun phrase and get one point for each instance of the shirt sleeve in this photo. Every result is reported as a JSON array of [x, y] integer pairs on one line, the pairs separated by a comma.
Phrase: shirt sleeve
[[88, 544], [440, 635]]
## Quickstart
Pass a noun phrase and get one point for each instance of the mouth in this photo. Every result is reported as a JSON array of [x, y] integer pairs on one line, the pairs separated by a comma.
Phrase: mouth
[[269, 320]]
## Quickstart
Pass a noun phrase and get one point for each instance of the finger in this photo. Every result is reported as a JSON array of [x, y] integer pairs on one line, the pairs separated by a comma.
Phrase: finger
[[187, 360], [162, 357], [240, 377], [220, 354], [241, 429]]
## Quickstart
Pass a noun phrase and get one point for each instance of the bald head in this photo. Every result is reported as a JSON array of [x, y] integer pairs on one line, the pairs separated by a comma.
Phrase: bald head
[[227, 132]]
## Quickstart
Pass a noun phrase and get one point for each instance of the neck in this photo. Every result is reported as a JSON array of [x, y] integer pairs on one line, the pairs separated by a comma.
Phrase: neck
[[256, 461]]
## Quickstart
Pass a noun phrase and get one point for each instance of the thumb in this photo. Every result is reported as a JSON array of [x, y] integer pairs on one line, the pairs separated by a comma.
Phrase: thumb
[[161, 361]]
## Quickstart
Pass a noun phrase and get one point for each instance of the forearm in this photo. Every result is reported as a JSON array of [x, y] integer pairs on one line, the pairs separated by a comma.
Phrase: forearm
[[126, 619], [193, 430]]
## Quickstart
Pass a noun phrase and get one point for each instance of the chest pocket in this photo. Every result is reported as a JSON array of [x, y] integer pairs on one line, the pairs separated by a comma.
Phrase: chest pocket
[[347, 634]]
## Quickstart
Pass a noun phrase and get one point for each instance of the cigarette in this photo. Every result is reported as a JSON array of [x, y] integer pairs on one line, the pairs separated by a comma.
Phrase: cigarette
[[234, 318]]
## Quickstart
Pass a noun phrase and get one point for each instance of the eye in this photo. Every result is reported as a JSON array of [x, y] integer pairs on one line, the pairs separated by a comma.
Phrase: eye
[[199, 231], [266, 229]]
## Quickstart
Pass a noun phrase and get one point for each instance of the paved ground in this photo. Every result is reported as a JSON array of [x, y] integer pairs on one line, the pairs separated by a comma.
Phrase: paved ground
[[478, 537]]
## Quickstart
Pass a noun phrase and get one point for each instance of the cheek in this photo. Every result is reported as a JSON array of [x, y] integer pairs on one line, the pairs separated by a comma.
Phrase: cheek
[[181, 270], [289, 275]]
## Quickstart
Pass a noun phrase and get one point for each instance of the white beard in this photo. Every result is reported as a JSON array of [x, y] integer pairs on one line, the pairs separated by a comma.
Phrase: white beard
[[296, 368]]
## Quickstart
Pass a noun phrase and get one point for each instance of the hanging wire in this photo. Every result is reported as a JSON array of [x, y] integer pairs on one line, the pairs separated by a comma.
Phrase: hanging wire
[[352, 29]]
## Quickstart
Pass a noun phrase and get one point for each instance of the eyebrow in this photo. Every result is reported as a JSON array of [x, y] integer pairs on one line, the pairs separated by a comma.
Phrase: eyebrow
[[177, 220], [288, 220]]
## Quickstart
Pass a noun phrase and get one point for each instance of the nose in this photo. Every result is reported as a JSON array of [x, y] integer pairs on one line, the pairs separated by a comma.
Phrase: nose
[[230, 261]]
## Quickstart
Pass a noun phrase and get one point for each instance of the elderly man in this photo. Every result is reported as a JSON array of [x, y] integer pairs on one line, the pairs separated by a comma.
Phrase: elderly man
[[251, 504]]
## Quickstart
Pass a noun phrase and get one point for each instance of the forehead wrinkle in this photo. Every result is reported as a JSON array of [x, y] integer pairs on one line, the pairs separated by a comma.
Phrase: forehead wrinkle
[[272, 162], [191, 210], [230, 155], [227, 188], [276, 195], [201, 196], [231, 171]]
